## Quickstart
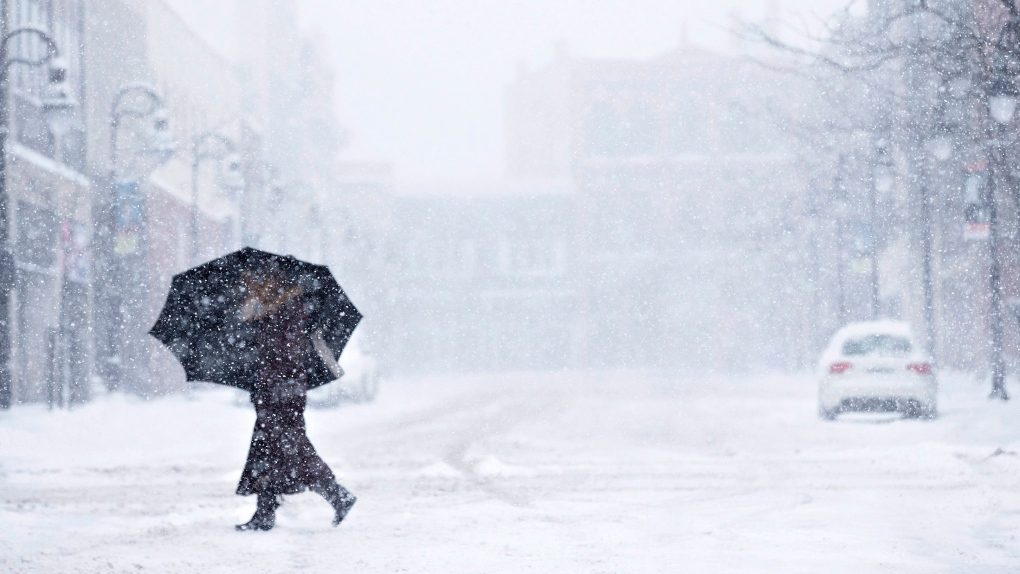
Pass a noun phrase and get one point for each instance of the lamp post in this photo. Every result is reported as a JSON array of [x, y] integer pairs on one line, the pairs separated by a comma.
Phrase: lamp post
[[1001, 96], [812, 217], [268, 178], [940, 147], [841, 211], [882, 182], [55, 106], [160, 145], [141, 103], [211, 146]]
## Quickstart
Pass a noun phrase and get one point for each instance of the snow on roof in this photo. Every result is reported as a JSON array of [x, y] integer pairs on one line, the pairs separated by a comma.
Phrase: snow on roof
[[883, 326], [49, 165], [861, 329]]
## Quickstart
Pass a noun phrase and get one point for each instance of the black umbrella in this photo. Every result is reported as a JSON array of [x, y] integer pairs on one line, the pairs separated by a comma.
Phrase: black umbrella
[[201, 321]]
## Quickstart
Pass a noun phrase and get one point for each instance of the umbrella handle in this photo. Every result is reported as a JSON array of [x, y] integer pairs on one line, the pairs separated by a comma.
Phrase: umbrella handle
[[326, 354], [250, 309]]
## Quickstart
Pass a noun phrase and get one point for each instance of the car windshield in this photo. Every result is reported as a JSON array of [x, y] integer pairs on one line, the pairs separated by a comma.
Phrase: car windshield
[[880, 345]]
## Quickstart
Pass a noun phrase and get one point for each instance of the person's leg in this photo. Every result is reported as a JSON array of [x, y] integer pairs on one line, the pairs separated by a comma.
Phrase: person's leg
[[257, 477], [321, 480], [265, 513], [312, 470], [337, 496]]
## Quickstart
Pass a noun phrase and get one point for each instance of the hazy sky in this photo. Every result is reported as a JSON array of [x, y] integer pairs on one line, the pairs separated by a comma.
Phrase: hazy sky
[[421, 83]]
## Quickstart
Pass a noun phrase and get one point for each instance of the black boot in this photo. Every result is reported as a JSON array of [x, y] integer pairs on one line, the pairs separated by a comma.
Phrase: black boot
[[338, 497], [265, 514]]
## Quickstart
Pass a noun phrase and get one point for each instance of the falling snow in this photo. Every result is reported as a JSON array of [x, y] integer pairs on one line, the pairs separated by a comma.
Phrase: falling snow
[[626, 286]]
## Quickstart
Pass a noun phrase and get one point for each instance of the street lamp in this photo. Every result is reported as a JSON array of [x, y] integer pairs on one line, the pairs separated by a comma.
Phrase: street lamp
[[1002, 96], [812, 214], [57, 104], [231, 179], [139, 103], [940, 146], [882, 183], [231, 173], [841, 212], [268, 179], [212, 146], [158, 143], [1002, 99], [884, 179]]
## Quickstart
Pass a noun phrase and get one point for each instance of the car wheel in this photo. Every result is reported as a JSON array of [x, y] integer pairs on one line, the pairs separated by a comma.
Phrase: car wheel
[[826, 414], [918, 410]]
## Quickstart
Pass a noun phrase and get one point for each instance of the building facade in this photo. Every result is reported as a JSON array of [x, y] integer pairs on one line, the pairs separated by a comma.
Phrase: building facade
[[682, 181], [48, 200], [100, 221], [479, 282]]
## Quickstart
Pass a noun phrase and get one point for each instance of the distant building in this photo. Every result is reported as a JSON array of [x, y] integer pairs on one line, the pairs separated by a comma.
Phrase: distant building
[[683, 184], [480, 281], [288, 93]]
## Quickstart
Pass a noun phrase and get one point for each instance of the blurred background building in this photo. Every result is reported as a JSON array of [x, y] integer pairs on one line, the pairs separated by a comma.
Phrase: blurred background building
[[172, 155], [693, 209], [682, 183]]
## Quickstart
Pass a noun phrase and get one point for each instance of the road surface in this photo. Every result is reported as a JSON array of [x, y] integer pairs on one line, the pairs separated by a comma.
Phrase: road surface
[[610, 473]]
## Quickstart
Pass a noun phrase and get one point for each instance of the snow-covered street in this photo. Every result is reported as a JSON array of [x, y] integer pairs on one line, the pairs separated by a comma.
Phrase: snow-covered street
[[525, 473]]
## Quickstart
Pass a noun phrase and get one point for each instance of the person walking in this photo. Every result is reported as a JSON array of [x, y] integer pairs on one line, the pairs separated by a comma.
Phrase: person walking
[[281, 458]]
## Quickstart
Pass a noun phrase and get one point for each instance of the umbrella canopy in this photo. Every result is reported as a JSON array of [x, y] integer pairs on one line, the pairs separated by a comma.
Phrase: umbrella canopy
[[203, 322]]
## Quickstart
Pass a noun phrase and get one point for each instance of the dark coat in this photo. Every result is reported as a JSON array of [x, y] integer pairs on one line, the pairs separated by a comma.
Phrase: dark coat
[[281, 459]]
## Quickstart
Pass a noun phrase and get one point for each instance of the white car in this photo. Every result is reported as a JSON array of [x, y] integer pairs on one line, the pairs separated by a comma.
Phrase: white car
[[876, 366], [359, 383]]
